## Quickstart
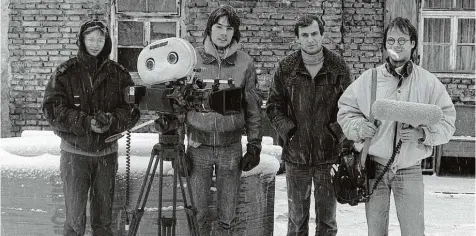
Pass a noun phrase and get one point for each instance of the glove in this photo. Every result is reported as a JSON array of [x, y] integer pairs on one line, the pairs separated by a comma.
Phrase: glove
[[251, 158], [186, 169], [166, 123], [101, 122]]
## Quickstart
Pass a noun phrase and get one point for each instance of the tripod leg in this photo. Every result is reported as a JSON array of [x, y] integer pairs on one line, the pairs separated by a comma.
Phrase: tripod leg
[[174, 202], [190, 210], [167, 224], [160, 221], [139, 211]]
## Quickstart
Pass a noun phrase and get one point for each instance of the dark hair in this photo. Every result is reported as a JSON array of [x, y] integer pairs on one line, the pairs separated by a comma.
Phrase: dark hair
[[306, 20], [233, 19], [404, 25]]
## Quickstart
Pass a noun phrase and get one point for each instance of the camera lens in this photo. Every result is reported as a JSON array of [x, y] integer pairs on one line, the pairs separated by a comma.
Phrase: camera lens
[[172, 58], [150, 64]]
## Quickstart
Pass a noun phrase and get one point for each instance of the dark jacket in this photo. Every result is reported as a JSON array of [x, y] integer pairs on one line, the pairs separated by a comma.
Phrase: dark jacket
[[215, 129], [82, 86], [306, 108]]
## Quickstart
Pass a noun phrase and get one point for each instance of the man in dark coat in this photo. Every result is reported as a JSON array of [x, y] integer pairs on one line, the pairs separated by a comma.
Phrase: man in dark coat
[[302, 107], [84, 104]]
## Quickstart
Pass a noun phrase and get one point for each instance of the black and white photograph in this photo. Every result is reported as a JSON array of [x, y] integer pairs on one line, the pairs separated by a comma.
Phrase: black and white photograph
[[237, 118]]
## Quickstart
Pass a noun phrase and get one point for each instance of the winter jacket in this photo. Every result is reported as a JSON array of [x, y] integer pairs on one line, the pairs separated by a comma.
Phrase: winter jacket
[[78, 89], [307, 107], [214, 129], [420, 86]]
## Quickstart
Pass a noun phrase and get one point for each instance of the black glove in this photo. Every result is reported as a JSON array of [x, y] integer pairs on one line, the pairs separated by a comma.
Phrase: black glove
[[166, 123], [251, 158], [186, 168], [101, 122]]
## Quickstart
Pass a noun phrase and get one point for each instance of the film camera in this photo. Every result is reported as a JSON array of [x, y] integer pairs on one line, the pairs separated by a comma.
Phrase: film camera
[[168, 66]]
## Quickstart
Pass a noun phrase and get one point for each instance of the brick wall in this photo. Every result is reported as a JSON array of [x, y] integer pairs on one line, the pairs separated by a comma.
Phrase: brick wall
[[461, 90], [42, 34], [267, 29]]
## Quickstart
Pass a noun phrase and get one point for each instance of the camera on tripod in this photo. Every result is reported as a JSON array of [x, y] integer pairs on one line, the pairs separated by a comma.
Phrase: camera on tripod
[[168, 67]]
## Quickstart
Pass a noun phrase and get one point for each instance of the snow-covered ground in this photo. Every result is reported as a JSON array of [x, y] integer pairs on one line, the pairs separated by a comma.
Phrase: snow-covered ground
[[449, 201]]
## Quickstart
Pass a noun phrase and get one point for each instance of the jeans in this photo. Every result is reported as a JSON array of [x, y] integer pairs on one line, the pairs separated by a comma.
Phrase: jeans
[[225, 160], [81, 174], [407, 187], [299, 181]]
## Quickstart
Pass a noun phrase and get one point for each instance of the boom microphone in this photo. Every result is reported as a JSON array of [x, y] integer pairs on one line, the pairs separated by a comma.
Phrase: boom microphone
[[411, 113]]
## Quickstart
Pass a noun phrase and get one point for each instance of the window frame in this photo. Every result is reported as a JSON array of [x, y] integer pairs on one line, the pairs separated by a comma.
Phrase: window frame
[[147, 19], [454, 16], [149, 14]]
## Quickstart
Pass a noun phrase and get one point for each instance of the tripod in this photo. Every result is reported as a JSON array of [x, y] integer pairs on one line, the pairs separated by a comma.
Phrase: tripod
[[171, 149]]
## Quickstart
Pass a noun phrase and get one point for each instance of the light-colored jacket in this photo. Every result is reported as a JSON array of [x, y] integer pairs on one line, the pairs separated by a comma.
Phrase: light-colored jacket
[[420, 86]]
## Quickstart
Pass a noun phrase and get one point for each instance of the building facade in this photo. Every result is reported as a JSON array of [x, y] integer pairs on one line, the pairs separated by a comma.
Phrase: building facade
[[37, 35]]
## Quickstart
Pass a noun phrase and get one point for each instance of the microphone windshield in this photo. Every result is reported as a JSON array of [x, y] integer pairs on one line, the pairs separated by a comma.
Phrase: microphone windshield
[[407, 112]]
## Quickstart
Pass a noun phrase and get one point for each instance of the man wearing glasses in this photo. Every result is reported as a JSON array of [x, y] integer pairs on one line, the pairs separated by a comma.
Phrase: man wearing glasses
[[402, 80]]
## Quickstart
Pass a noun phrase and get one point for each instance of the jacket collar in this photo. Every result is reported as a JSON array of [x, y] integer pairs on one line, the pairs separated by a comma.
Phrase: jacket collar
[[332, 64], [405, 72], [209, 53]]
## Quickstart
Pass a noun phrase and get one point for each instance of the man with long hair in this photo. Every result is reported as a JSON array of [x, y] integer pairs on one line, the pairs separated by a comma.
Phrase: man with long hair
[[214, 139], [402, 80]]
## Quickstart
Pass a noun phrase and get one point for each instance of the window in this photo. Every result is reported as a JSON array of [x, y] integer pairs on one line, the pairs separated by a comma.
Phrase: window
[[447, 36], [148, 6], [137, 23]]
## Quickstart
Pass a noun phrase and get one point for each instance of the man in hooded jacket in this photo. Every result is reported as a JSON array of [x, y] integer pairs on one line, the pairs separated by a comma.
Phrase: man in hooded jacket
[[84, 104]]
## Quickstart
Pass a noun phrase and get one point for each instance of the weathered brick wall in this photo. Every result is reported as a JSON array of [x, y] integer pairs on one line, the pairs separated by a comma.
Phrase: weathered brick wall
[[267, 29], [42, 34], [461, 90]]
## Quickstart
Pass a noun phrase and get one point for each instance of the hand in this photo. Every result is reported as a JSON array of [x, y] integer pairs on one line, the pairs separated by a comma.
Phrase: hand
[[409, 134], [251, 159], [367, 130], [166, 123], [101, 122]]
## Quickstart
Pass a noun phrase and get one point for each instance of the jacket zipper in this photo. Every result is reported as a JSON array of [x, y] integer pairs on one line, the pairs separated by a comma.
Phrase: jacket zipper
[[215, 131]]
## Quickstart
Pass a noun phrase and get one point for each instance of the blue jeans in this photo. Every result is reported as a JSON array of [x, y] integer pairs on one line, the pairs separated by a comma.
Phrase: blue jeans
[[407, 187], [299, 181], [81, 174], [225, 160]]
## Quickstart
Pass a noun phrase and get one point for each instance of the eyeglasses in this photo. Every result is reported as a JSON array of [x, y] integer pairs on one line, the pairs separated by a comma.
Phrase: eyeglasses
[[401, 41]]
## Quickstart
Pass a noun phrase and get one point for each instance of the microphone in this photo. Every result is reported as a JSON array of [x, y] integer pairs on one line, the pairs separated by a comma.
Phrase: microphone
[[411, 113]]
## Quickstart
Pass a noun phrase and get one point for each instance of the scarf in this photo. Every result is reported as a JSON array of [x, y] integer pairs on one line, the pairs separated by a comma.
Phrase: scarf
[[405, 71]]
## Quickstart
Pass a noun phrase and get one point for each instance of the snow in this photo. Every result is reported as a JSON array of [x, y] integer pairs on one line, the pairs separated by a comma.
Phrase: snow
[[39, 150], [449, 201]]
